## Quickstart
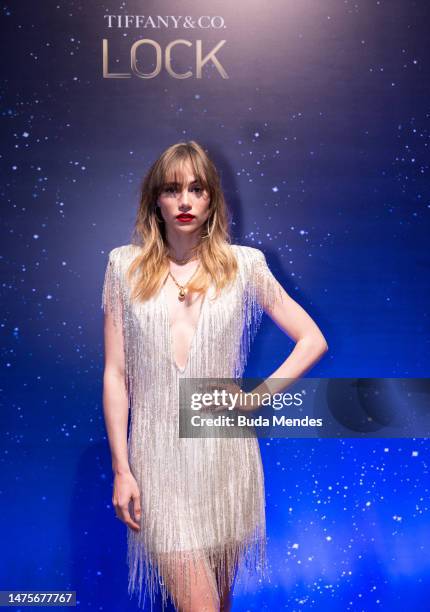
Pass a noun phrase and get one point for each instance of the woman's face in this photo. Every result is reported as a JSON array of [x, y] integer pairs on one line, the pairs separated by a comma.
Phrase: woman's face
[[187, 210]]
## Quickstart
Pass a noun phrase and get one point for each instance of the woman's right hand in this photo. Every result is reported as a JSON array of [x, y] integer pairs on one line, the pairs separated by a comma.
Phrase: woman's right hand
[[126, 490]]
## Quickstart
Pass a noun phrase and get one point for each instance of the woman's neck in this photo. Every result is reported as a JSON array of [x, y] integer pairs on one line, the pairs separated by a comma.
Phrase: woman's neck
[[180, 249]]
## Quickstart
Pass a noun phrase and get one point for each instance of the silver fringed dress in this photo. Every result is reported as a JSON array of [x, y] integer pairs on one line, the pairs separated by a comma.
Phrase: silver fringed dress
[[202, 498]]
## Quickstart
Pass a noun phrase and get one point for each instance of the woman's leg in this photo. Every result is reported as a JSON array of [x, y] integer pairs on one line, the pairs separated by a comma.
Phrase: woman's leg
[[191, 584], [225, 584]]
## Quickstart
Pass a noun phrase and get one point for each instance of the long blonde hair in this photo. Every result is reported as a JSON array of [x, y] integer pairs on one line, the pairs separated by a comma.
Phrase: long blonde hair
[[218, 263]]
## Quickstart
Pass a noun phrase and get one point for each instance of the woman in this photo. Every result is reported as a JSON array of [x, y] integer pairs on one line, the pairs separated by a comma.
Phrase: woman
[[182, 301]]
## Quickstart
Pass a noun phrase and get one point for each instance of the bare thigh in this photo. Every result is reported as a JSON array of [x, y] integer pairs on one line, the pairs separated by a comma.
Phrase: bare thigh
[[191, 584]]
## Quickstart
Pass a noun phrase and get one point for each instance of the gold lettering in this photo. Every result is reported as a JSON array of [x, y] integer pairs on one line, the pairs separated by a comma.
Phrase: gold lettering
[[210, 56], [200, 60], [168, 59], [106, 73], [136, 71]]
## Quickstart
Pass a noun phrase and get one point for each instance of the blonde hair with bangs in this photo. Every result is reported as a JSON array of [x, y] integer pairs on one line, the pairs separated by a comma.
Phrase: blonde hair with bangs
[[150, 267]]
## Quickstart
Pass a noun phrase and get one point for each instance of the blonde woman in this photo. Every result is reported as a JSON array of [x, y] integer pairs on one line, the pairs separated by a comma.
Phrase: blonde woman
[[181, 301]]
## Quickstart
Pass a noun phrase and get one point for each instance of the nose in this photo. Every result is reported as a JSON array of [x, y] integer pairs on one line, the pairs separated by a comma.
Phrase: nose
[[184, 198]]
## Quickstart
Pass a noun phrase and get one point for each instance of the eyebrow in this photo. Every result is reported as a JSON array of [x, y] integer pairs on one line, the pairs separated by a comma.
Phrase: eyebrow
[[173, 183]]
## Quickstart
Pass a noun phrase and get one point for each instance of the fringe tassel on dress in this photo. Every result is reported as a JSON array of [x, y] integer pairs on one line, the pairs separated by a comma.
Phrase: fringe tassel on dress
[[203, 505]]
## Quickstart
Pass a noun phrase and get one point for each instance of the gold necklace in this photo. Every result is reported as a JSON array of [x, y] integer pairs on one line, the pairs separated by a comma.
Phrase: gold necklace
[[183, 288]]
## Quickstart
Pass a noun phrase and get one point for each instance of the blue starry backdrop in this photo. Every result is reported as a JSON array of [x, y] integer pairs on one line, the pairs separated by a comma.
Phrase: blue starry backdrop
[[320, 129]]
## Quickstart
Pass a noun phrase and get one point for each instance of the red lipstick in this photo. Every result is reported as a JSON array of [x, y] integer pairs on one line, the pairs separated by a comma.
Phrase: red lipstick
[[185, 217]]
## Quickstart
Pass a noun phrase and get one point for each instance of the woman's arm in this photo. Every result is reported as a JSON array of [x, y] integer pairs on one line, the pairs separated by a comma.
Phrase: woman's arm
[[291, 318], [302, 329], [115, 399], [309, 348], [115, 410]]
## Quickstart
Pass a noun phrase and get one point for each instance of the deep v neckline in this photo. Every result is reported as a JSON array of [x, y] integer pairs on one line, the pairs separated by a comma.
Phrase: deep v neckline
[[169, 329]]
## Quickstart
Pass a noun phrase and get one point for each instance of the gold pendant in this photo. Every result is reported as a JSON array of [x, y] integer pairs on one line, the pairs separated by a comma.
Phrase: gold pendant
[[182, 294]]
